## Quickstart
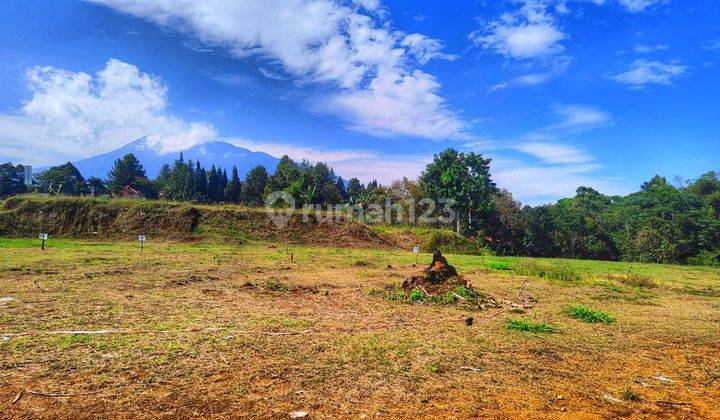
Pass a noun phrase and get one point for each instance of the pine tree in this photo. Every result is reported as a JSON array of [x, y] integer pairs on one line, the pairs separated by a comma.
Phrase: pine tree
[[213, 185], [223, 180], [125, 172], [201, 187], [234, 188], [163, 177]]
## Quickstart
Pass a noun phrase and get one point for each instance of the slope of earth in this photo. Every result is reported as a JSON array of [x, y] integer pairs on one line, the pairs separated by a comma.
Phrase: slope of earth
[[96, 329], [80, 217]]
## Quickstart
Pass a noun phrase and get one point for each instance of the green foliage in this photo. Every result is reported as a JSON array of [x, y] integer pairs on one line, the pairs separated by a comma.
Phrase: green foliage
[[521, 324], [586, 314], [450, 242], [253, 189], [500, 265], [465, 179], [97, 186], [416, 295], [233, 189], [12, 180], [125, 172], [629, 395], [63, 179], [705, 257], [274, 285]]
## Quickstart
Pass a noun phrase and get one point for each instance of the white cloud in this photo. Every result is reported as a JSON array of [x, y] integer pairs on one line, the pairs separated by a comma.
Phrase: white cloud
[[425, 49], [528, 33], [712, 45], [555, 153], [645, 49], [579, 117], [397, 104], [270, 74], [541, 184], [645, 72], [322, 41], [636, 6], [74, 114], [525, 80]]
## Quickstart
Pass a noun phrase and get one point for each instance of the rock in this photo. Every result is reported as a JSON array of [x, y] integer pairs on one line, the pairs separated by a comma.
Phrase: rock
[[469, 321], [298, 414]]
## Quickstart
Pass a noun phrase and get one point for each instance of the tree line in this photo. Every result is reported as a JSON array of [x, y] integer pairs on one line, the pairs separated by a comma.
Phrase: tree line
[[659, 223]]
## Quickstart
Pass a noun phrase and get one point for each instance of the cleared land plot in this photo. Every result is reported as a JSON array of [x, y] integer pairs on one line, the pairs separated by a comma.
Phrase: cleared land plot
[[223, 330]]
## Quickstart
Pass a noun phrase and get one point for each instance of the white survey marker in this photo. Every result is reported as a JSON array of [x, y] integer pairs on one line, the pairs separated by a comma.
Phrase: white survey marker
[[416, 249], [141, 238]]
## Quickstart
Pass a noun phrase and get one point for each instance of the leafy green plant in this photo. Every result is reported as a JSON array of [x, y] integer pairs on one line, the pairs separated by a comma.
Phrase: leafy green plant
[[586, 314], [629, 395], [519, 324], [501, 265], [416, 295], [274, 285]]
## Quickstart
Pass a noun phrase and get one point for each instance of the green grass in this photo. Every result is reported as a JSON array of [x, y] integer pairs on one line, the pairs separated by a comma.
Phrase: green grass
[[519, 324], [500, 265], [591, 316]]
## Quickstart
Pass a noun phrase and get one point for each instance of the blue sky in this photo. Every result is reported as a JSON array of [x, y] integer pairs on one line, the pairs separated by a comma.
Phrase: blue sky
[[558, 93]]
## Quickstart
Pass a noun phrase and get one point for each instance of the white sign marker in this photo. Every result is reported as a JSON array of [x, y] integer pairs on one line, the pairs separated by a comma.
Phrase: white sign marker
[[141, 238], [416, 249], [43, 237]]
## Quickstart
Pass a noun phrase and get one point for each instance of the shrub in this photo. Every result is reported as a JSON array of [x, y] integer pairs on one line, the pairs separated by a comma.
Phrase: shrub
[[586, 314], [518, 324], [706, 258]]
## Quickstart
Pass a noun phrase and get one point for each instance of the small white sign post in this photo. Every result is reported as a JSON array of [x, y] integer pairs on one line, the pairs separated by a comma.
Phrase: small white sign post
[[141, 239], [416, 250], [43, 237]]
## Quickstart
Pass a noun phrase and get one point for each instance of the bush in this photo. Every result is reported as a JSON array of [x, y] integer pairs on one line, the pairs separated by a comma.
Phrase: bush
[[592, 316], [706, 258], [452, 243]]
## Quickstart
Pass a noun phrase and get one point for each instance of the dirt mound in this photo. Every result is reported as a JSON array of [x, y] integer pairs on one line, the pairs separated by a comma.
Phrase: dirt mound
[[439, 284], [78, 217]]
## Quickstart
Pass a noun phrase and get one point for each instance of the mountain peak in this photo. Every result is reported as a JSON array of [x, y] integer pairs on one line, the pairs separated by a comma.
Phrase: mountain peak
[[219, 153]]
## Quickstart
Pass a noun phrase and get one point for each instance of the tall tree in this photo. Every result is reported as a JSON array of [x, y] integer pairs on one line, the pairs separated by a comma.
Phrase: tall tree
[[125, 172], [12, 180], [465, 179], [163, 177], [253, 188], [97, 186], [201, 186], [62, 179], [233, 188], [355, 189], [286, 173], [213, 193]]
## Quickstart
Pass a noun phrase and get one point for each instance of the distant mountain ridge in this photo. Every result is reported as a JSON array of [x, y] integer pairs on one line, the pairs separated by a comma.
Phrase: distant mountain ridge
[[221, 154]]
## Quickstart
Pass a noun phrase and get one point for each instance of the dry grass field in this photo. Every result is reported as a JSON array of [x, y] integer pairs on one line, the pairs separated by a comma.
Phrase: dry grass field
[[91, 329]]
